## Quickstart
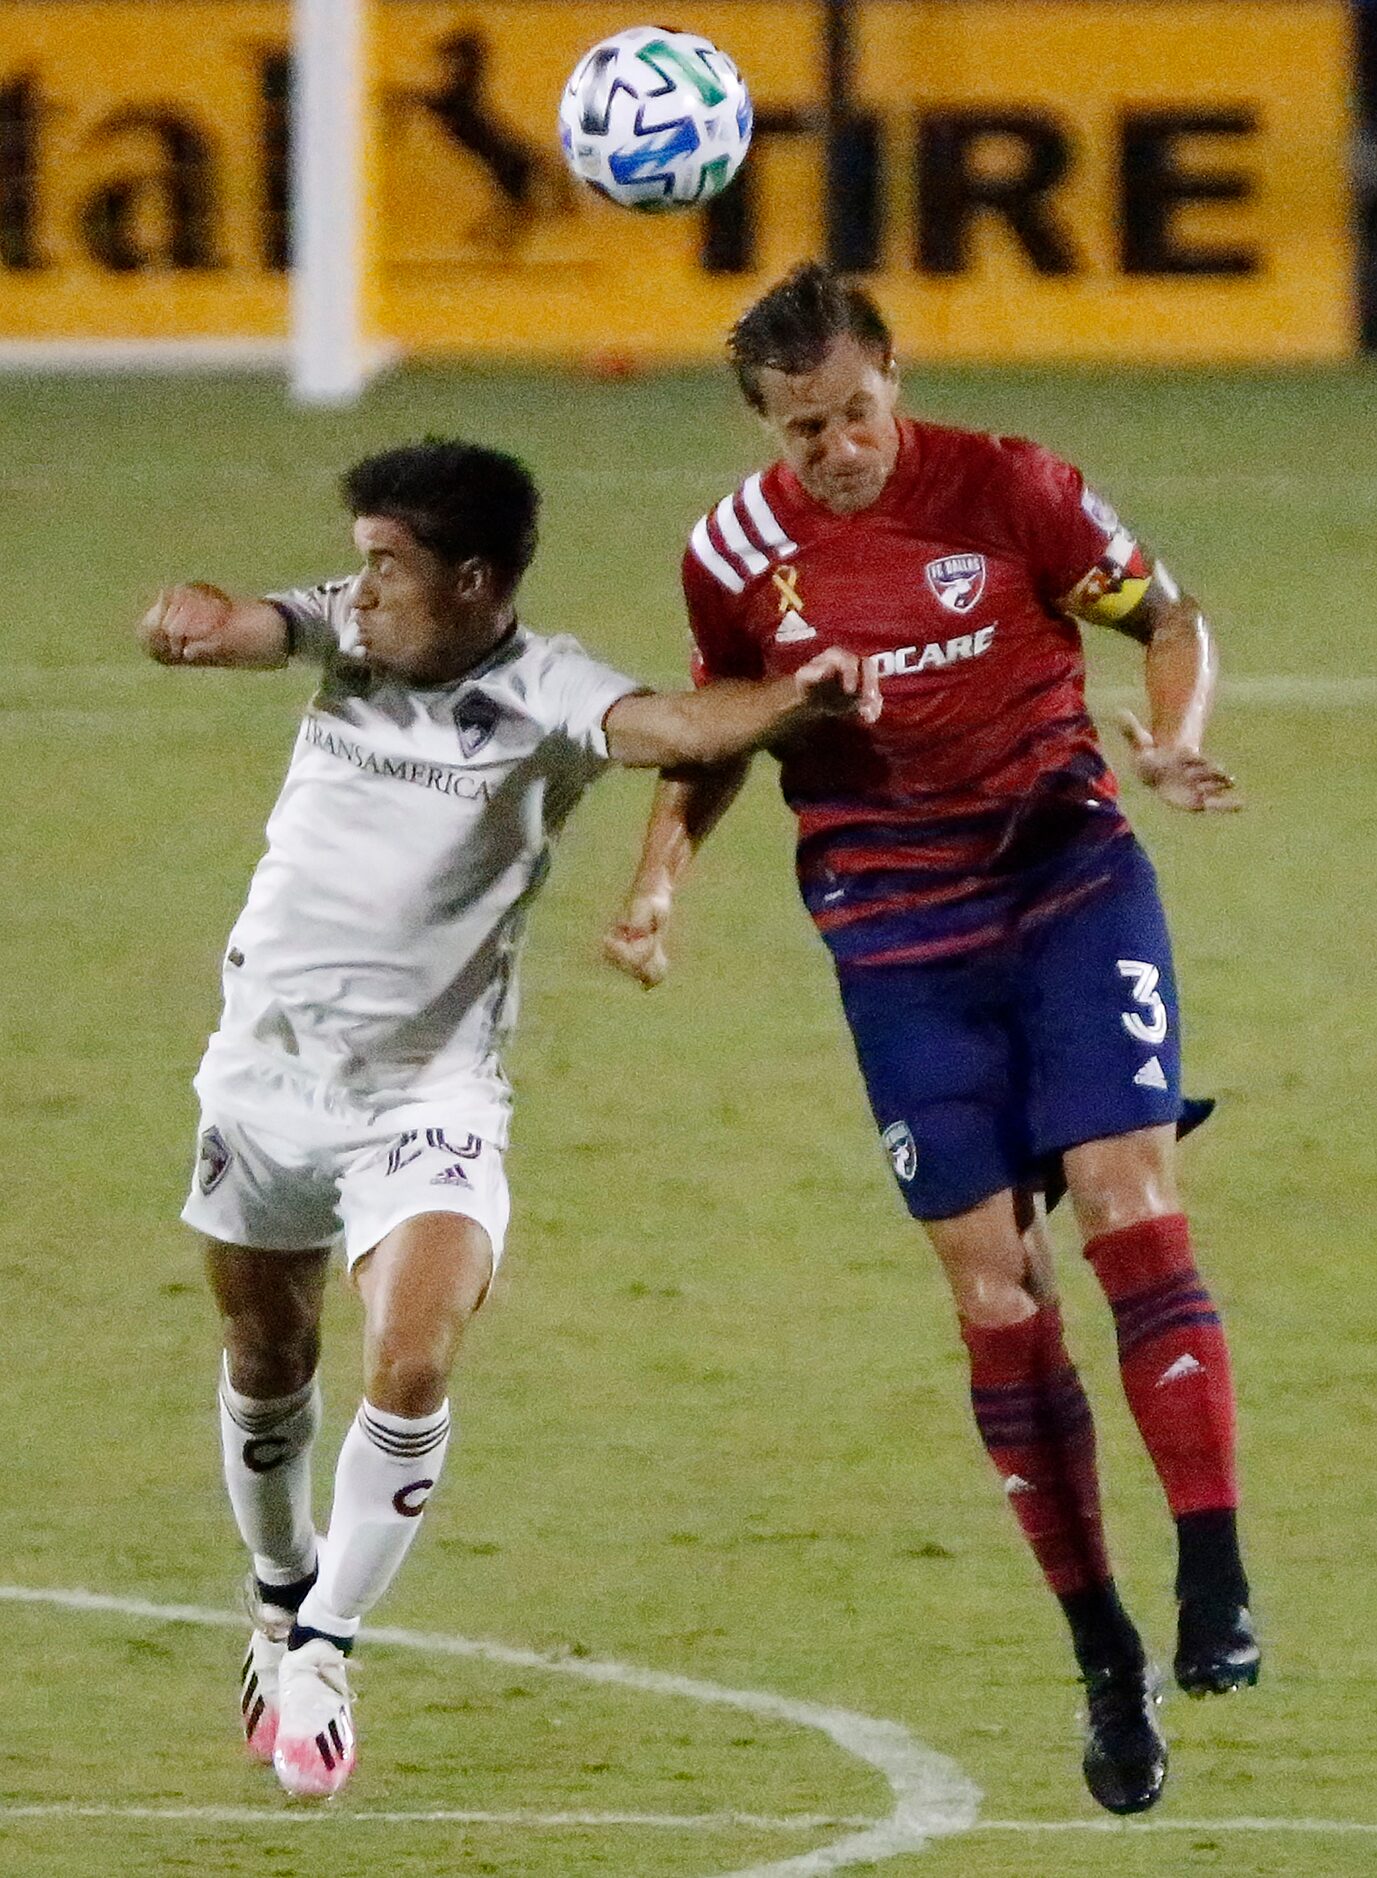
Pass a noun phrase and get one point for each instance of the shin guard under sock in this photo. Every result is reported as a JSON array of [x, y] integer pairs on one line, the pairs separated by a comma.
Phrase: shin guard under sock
[[1173, 1360], [1036, 1425]]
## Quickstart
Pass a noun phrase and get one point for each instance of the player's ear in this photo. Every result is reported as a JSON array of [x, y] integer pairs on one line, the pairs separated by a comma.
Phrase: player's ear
[[474, 580], [772, 430], [891, 388]]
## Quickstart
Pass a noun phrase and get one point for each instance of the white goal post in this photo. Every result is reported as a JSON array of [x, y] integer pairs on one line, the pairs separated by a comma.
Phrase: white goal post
[[327, 349], [330, 361]]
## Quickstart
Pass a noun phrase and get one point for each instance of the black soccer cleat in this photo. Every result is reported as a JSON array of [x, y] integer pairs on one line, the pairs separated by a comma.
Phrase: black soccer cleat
[[1125, 1751], [1216, 1648]]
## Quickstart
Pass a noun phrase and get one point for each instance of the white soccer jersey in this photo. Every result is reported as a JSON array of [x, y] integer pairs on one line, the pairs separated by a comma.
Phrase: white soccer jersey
[[375, 959]]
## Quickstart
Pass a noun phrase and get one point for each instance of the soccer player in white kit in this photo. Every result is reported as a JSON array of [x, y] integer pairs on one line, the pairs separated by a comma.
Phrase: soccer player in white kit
[[354, 1089]]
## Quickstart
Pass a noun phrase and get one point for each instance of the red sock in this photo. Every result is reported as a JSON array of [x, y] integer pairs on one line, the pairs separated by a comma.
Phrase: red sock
[[1035, 1421], [1173, 1359]]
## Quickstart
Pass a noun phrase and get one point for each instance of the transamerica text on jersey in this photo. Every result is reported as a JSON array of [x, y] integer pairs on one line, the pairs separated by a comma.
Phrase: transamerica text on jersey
[[449, 781]]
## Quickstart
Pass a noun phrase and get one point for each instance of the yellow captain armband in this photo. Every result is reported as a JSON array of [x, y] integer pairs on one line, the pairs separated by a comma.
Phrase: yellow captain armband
[[1114, 587]]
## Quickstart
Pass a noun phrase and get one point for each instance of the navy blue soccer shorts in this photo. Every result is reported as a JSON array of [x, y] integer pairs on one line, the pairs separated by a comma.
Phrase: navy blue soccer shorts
[[980, 1067]]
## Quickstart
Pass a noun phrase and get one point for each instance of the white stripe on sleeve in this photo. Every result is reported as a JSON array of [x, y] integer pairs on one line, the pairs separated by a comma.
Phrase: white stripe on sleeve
[[736, 538], [1165, 581], [763, 516], [722, 570]]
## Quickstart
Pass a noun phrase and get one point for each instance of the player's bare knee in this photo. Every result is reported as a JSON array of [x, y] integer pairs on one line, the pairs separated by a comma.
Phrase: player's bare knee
[[1121, 1181], [408, 1378], [988, 1265], [272, 1346], [993, 1300], [408, 1364], [1114, 1205], [270, 1314], [266, 1361]]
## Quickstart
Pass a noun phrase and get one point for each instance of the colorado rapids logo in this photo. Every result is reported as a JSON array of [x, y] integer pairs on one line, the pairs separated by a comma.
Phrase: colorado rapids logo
[[213, 1158], [475, 718], [957, 580]]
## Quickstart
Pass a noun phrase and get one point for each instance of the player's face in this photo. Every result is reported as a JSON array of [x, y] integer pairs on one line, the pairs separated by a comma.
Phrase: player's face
[[836, 425], [415, 612]]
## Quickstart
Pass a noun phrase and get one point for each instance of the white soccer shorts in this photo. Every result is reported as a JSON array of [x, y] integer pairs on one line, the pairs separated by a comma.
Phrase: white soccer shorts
[[288, 1190]]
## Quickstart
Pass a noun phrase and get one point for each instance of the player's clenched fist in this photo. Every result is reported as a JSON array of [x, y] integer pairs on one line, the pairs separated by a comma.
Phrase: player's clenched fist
[[635, 944], [837, 682], [185, 624]]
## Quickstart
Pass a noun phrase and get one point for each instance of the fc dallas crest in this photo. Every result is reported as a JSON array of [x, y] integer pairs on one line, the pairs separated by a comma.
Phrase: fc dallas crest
[[958, 580]]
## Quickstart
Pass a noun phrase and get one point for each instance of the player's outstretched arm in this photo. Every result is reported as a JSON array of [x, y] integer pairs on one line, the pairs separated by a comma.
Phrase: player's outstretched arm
[[1181, 668], [664, 730], [716, 727], [686, 809], [197, 624]]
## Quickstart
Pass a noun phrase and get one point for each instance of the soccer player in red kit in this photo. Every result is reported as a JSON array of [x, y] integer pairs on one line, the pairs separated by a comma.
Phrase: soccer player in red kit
[[998, 939]]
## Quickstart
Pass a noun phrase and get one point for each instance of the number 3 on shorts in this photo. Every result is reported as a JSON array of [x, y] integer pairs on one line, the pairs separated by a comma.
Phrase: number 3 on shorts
[[1151, 1028]]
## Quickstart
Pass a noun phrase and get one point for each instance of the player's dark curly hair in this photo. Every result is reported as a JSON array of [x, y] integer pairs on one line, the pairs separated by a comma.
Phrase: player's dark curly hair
[[791, 327], [457, 499]]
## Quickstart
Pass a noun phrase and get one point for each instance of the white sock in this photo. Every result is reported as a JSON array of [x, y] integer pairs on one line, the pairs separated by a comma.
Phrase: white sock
[[387, 1469], [267, 1450]]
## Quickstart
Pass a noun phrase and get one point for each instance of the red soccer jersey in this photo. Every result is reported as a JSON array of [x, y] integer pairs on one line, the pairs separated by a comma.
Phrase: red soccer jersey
[[982, 788]]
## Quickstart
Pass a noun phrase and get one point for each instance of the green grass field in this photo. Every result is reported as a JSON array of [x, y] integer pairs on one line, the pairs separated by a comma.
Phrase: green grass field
[[713, 1422]]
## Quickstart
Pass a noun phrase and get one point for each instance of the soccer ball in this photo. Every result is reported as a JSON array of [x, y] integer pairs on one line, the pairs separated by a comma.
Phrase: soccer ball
[[655, 119]]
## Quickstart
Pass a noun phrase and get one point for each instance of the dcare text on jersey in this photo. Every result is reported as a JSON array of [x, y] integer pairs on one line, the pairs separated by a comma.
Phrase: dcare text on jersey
[[906, 660]]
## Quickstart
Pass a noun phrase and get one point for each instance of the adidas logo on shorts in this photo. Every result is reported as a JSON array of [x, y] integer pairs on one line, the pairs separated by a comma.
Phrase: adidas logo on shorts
[[453, 1176], [1151, 1075]]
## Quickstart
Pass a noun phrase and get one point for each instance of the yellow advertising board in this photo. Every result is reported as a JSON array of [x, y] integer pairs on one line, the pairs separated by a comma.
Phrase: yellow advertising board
[[1026, 179]]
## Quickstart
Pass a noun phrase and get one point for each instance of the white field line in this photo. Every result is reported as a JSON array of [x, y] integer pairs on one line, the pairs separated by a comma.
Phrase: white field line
[[1244, 1823], [136, 355], [1314, 691], [123, 671], [54, 719], [1316, 492], [933, 1798], [527, 1820], [286, 1815], [80, 357], [931, 1795], [1319, 488]]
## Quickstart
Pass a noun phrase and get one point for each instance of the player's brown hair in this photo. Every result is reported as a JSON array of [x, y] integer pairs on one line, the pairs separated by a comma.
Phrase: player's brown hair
[[790, 328]]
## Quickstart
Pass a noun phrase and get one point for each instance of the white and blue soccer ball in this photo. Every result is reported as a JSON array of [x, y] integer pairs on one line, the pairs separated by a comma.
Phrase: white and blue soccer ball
[[655, 119]]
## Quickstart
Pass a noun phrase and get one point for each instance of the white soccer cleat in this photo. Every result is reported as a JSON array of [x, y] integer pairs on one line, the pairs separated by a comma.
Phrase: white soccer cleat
[[314, 1753], [259, 1697]]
